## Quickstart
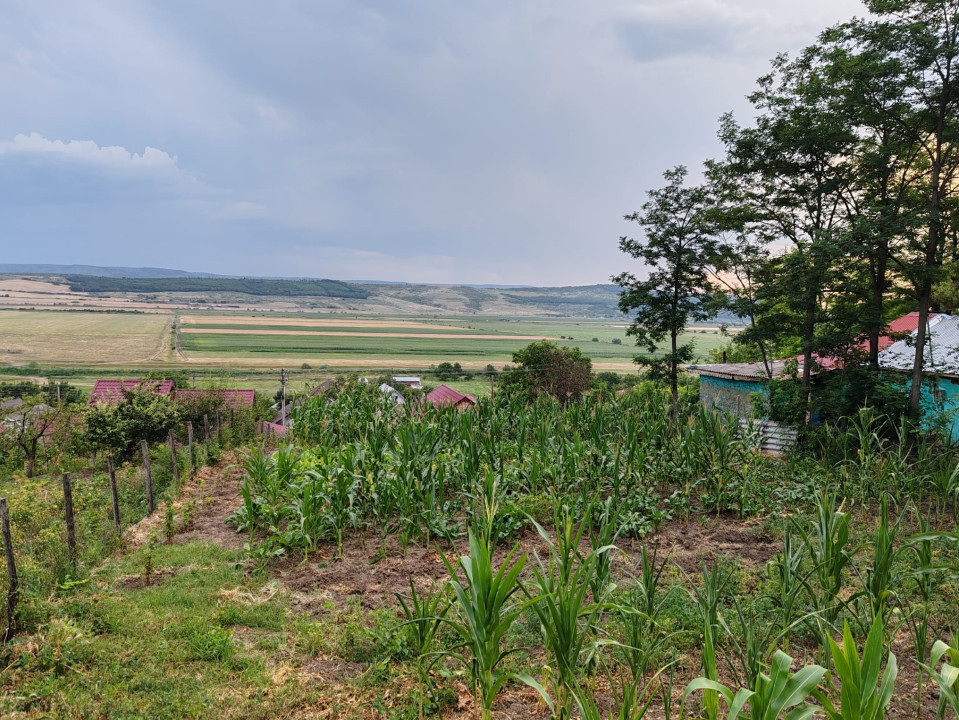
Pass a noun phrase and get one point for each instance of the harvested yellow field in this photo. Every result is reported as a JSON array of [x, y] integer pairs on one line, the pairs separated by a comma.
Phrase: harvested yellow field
[[63, 337]]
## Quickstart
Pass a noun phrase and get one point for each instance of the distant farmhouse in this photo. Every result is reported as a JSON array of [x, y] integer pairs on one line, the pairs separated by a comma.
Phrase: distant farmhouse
[[445, 396], [110, 392], [408, 381]]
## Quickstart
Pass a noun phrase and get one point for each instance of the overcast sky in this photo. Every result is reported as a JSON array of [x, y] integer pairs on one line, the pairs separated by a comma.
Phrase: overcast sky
[[455, 141]]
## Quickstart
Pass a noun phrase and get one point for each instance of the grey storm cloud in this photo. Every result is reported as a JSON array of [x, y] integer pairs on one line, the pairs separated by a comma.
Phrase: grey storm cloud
[[397, 139]]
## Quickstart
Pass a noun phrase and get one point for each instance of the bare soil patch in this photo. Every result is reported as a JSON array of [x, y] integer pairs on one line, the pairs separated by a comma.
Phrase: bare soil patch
[[361, 576], [216, 494]]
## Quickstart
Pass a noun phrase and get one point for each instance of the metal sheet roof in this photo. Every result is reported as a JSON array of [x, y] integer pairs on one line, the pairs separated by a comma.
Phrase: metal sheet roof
[[749, 371], [942, 352]]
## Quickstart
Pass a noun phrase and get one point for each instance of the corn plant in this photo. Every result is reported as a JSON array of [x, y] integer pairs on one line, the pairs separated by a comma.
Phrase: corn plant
[[630, 701], [923, 575], [771, 695], [485, 615], [946, 677], [424, 613], [641, 617], [568, 621], [790, 580], [881, 581], [707, 598], [751, 639], [827, 544], [602, 537], [860, 696], [340, 494]]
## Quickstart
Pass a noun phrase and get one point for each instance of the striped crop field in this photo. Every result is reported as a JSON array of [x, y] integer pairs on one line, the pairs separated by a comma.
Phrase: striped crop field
[[364, 342]]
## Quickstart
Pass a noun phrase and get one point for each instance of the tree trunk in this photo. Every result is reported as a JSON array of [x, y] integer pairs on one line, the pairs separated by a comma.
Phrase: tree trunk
[[876, 323], [915, 391], [673, 376]]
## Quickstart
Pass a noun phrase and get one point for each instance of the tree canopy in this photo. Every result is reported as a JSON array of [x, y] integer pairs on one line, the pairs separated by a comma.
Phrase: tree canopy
[[545, 368]]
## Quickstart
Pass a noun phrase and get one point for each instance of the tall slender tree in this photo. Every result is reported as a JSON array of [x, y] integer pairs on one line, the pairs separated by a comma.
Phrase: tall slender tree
[[676, 248]]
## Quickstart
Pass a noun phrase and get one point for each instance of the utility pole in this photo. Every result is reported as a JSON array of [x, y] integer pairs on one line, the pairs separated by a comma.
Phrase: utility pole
[[492, 392], [283, 406]]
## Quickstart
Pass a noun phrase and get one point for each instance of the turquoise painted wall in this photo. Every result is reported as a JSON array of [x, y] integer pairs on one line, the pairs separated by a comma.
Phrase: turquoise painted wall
[[939, 401], [731, 396], [943, 404]]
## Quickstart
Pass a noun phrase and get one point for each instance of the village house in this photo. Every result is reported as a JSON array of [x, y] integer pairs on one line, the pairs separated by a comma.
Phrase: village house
[[940, 390], [407, 380], [444, 396], [110, 392]]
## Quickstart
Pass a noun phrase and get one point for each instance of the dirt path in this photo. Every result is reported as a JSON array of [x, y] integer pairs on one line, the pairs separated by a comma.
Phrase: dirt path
[[215, 491]]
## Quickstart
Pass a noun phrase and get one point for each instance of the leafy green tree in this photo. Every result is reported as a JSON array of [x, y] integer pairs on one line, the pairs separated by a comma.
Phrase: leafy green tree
[[445, 371], [909, 52], [140, 415], [545, 368], [32, 425], [676, 250]]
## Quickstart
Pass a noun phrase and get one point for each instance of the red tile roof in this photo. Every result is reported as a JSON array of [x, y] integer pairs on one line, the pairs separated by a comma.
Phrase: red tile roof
[[445, 395], [228, 396], [110, 392], [901, 325]]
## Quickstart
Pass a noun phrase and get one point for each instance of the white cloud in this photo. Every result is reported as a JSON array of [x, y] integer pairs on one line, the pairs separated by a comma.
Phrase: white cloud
[[87, 151]]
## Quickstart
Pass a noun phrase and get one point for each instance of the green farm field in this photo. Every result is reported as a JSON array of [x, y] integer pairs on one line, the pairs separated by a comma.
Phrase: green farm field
[[238, 347], [343, 341]]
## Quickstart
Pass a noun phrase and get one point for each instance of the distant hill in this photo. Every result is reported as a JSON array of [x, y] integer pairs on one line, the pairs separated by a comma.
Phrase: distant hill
[[371, 297], [96, 270], [247, 286]]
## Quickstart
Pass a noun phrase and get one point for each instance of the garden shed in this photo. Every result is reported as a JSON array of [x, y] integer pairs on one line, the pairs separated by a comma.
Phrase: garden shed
[[730, 386]]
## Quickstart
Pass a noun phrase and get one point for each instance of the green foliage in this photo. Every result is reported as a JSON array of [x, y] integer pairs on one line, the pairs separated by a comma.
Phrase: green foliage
[[543, 368], [772, 695], [485, 616], [119, 428], [860, 697], [676, 250]]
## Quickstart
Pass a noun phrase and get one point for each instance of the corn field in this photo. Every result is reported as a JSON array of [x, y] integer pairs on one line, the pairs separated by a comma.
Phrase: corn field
[[586, 478]]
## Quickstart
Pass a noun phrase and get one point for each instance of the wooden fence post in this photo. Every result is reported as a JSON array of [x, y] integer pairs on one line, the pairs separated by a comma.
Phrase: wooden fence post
[[219, 429], [173, 457], [145, 451], [68, 516], [13, 583], [113, 491], [206, 428], [189, 440]]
